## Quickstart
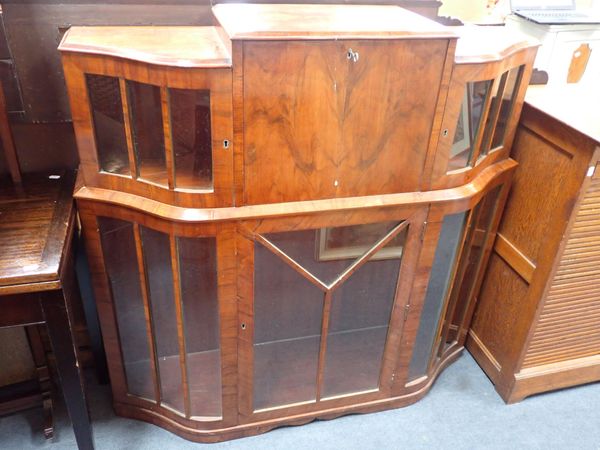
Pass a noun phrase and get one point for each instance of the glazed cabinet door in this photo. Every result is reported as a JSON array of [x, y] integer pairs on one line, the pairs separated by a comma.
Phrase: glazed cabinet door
[[482, 109], [330, 119], [160, 132], [166, 301], [322, 306], [456, 248]]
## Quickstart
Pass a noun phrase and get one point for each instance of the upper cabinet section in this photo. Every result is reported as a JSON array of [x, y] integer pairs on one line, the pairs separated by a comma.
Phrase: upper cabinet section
[[152, 111], [490, 76], [337, 100]]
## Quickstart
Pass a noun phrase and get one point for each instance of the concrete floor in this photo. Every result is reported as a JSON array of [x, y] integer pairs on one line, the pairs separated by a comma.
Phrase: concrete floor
[[462, 411]]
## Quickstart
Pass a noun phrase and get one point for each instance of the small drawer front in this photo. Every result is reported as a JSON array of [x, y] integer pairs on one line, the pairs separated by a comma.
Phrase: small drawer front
[[337, 118]]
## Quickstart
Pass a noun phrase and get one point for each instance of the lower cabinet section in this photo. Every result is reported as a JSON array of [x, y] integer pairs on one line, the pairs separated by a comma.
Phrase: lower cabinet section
[[220, 329]]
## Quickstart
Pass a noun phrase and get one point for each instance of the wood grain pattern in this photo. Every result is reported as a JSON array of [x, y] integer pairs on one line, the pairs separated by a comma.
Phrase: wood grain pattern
[[569, 326], [169, 46], [318, 125], [546, 281], [310, 21]]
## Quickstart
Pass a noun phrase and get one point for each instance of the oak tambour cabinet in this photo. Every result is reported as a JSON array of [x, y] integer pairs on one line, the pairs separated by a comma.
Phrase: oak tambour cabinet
[[544, 272], [278, 224]]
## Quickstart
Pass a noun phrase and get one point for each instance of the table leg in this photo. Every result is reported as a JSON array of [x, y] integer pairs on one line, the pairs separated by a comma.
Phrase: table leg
[[57, 317]]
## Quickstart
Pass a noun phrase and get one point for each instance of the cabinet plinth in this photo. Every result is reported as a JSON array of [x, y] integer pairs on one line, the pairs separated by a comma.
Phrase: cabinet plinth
[[267, 240]]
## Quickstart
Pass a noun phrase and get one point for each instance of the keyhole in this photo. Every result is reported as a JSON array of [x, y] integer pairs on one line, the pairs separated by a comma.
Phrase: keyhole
[[225, 144], [243, 326], [352, 55]]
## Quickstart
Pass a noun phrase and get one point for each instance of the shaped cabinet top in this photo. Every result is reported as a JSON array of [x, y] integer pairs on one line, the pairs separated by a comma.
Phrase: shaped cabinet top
[[291, 22], [168, 46]]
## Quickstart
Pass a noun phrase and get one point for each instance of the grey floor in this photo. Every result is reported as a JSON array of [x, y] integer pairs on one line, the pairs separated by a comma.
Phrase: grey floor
[[462, 411]]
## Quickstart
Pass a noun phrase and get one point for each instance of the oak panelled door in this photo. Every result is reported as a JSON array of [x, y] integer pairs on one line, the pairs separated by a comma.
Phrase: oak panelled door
[[321, 315]]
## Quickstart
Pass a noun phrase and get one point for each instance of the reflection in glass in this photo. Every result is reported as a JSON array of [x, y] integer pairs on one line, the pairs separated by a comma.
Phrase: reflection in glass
[[471, 261], [468, 125], [508, 100], [288, 310], [109, 126], [120, 260], [287, 332], [198, 273], [192, 141], [443, 268], [326, 253], [159, 280], [360, 315], [147, 130]]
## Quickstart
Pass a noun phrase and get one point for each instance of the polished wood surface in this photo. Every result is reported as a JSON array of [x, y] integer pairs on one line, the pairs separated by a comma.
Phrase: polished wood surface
[[331, 123], [168, 46], [547, 282], [37, 281], [309, 21], [481, 44]]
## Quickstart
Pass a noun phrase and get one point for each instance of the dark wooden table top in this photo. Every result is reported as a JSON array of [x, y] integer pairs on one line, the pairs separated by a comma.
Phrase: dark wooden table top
[[34, 219]]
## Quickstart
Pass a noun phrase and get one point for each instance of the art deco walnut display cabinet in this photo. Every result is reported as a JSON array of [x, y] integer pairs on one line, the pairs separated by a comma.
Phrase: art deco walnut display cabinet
[[287, 213]]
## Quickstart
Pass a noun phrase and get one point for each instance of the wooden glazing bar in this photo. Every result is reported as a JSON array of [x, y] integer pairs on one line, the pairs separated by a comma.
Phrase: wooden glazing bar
[[477, 144], [293, 264], [367, 255], [128, 131], [494, 114], [180, 329], [323, 342], [147, 312], [448, 312], [167, 132], [8, 144]]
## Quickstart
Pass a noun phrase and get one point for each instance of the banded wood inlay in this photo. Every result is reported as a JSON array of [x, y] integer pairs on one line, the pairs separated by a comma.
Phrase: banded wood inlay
[[569, 326]]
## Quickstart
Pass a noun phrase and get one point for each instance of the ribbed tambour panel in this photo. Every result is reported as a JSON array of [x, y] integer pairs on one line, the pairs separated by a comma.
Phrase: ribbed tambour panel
[[569, 326]]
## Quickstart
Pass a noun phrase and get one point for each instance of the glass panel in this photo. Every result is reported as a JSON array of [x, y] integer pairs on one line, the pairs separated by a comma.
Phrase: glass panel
[[473, 259], [508, 99], [287, 329], [441, 273], [159, 278], [192, 141], [360, 315], [326, 253], [147, 129], [198, 272], [109, 126], [118, 246], [490, 123], [469, 121]]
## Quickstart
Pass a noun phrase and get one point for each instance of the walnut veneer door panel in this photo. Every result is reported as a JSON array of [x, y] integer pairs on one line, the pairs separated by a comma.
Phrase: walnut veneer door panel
[[337, 119]]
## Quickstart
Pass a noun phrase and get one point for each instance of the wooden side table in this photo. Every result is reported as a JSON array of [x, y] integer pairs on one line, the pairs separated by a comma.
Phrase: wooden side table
[[37, 279]]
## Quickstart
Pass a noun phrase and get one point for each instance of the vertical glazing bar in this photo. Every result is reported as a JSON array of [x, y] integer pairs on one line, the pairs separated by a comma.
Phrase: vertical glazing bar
[[147, 313], [323, 343], [166, 115], [494, 114], [485, 112], [180, 330], [128, 133], [456, 275]]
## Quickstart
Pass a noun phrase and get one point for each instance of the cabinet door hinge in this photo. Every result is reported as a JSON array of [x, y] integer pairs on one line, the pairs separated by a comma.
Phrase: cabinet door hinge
[[406, 311], [423, 230]]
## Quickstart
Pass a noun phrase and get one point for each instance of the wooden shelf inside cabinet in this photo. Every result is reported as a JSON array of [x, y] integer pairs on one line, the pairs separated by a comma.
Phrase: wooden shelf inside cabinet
[[318, 275]]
